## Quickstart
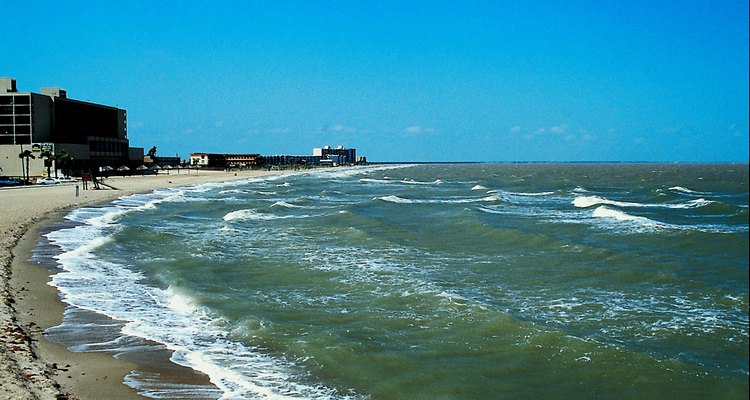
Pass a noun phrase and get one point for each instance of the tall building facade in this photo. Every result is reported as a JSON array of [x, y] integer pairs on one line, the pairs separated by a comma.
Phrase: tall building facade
[[94, 135], [340, 154]]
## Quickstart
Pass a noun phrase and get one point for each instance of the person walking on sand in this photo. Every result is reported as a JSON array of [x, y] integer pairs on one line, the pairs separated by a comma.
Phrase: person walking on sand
[[86, 177]]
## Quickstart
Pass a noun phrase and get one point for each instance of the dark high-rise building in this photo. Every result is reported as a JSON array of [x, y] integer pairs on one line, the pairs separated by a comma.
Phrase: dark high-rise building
[[94, 135]]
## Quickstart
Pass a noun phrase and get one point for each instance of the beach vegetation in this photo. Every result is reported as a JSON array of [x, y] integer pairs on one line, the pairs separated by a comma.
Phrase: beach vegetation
[[25, 156], [64, 159], [48, 157]]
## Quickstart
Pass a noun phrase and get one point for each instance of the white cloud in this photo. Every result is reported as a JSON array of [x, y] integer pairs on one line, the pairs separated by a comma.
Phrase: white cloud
[[515, 129], [280, 130], [219, 124], [558, 129], [338, 128], [343, 129], [417, 130], [191, 129]]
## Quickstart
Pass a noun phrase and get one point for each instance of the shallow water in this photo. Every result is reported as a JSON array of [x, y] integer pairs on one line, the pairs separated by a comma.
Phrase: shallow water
[[432, 281]]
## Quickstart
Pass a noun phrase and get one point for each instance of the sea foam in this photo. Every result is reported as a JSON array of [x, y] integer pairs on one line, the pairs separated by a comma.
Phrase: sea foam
[[401, 200], [589, 201], [169, 316]]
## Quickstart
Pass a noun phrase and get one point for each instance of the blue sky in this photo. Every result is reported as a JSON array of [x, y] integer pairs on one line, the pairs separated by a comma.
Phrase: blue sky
[[461, 80]]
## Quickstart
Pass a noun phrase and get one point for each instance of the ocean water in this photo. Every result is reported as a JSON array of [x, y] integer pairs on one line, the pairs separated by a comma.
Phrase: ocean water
[[480, 281]]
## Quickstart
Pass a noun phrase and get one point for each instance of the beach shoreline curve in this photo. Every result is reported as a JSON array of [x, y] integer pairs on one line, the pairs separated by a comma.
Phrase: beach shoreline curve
[[30, 366]]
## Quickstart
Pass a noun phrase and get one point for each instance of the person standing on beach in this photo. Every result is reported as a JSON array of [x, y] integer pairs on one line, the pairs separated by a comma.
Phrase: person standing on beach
[[85, 178]]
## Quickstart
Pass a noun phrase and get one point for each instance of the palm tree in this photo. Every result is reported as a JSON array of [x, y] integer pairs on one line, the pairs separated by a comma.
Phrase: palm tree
[[64, 159], [26, 154], [48, 161]]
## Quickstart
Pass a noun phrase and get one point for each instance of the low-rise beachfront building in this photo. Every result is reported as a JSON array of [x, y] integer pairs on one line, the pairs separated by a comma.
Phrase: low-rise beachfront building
[[325, 156], [166, 161], [241, 160], [290, 160], [234, 160], [207, 160], [92, 135]]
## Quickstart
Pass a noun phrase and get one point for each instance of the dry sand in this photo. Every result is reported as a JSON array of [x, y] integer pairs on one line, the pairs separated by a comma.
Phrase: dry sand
[[30, 366]]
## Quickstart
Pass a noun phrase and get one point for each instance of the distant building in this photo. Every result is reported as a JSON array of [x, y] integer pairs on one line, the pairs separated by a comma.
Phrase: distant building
[[340, 155], [207, 160], [94, 135], [290, 160], [164, 161], [241, 160], [325, 156]]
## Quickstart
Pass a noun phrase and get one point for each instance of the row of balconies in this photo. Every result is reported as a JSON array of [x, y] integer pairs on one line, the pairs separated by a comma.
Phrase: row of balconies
[[11, 110], [19, 100]]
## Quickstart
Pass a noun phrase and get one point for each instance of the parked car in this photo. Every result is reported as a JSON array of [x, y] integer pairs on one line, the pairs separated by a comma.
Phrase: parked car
[[66, 179], [47, 181], [5, 181]]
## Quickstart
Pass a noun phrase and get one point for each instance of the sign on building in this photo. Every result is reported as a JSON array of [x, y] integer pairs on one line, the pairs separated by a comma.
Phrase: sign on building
[[39, 147]]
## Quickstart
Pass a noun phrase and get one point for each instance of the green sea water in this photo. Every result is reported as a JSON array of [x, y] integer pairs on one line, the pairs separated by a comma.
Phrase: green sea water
[[476, 281]]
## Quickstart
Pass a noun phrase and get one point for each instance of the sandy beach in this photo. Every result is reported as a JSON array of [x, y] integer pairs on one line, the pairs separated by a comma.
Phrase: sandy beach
[[30, 366]]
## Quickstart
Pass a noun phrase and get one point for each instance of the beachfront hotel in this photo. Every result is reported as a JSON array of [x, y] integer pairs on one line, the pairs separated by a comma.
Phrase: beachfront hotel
[[93, 135]]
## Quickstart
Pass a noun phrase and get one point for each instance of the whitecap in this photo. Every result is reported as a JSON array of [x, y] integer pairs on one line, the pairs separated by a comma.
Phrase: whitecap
[[395, 199], [251, 215], [631, 222], [685, 190], [286, 205], [401, 200], [530, 194], [181, 302], [588, 201], [604, 212], [492, 210], [414, 182], [695, 203], [370, 180]]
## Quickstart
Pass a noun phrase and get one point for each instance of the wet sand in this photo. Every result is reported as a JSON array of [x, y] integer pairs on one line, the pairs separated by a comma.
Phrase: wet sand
[[32, 367]]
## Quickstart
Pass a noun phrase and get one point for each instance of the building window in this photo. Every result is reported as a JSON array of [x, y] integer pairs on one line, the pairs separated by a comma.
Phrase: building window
[[23, 139], [23, 109]]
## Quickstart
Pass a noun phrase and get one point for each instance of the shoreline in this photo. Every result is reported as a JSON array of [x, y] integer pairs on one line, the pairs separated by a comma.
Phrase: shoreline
[[31, 366]]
